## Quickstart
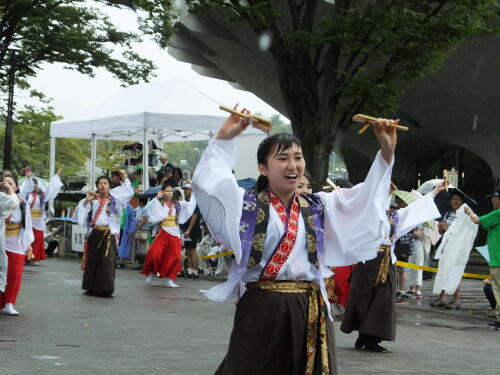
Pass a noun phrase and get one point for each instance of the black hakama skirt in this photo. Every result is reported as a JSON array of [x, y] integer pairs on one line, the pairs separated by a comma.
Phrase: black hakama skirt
[[99, 275], [371, 309], [269, 336]]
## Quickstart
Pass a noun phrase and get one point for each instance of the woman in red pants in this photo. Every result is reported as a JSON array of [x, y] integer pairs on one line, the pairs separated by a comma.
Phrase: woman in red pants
[[164, 255]]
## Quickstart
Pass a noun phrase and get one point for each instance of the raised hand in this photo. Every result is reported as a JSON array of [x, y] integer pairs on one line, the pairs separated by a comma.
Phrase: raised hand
[[387, 138], [441, 187], [27, 171], [6, 188], [123, 175], [90, 195], [234, 125]]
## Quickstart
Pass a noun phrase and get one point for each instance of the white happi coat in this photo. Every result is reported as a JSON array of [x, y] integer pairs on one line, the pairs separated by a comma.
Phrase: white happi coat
[[355, 221]]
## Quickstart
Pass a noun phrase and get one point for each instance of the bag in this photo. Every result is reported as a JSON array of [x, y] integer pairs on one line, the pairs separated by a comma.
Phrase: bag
[[402, 251], [141, 235]]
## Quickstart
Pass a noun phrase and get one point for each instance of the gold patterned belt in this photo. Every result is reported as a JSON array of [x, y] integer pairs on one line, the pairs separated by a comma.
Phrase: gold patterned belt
[[36, 213], [169, 222], [316, 317], [106, 236], [12, 230], [383, 269]]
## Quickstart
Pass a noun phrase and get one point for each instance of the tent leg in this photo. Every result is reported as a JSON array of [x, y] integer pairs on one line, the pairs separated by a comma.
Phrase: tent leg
[[145, 157], [93, 152], [52, 157]]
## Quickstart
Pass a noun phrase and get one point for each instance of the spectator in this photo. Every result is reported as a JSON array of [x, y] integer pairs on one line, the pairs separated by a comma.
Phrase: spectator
[[422, 244], [404, 248], [491, 222], [177, 173], [192, 235], [488, 292], [50, 237], [141, 232], [169, 179], [163, 164], [186, 179]]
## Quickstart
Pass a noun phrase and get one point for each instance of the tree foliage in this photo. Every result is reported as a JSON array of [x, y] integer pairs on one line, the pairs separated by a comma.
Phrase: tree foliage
[[70, 32], [335, 60], [31, 144]]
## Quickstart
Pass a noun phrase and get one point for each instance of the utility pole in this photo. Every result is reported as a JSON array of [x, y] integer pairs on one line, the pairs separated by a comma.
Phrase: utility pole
[[7, 149]]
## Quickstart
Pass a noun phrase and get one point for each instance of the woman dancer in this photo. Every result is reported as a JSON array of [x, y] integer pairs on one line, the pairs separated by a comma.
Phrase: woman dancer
[[164, 255], [281, 242], [18, 238], [36, 199], [100, 212]]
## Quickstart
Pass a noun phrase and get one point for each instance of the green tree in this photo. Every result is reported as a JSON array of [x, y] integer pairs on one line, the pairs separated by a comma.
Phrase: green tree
[[335, 60], [31, 144], [109, 156], [70, 32]]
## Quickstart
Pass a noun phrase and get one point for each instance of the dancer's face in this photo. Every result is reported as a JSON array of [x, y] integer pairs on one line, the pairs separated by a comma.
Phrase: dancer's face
[[103, 186], [168, 193], [284, 170], [304, 186], [456, 201]]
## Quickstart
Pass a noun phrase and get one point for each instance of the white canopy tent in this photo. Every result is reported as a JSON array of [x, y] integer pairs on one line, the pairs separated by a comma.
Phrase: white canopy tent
[[168, 111]]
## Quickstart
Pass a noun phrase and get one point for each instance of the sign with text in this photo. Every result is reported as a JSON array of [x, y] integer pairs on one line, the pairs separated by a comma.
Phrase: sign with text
[[78, 235]]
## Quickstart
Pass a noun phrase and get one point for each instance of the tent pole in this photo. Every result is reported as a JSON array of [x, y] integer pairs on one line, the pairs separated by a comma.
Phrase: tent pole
[[145, 157], [52, 157], [93, 152]]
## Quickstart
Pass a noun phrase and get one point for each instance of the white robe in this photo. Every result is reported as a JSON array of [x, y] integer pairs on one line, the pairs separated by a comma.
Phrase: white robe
[[354, 221], [21, 243], [157, 212], [122, 195], [51, 190], [8, 203], [453, 253]]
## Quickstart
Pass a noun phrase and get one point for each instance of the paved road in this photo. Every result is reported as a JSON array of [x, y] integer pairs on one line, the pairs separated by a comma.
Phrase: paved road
[[155, 330]]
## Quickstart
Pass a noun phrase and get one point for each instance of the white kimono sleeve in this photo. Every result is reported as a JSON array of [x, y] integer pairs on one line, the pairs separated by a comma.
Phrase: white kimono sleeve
[[8, 203], [355, 218], [26, 187], [157, 212], [122, 195], [53, 188], [186, 209], [418, 212], [82, 213], [27, 237], [219, 197]]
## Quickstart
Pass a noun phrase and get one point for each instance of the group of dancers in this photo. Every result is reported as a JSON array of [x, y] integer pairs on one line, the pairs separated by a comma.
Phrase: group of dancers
[[22, 230], [285, 241]]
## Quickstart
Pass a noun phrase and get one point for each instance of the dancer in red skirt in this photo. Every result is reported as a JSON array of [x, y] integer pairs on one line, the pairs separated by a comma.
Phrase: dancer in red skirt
[[36, 199], [18, 238], [164, 255]]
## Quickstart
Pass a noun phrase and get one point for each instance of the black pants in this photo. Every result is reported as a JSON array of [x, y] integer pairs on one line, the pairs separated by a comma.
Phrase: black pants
[[488, 292], [50, 248]]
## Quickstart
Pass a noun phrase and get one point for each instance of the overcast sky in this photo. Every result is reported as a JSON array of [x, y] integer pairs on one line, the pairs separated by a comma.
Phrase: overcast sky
[[74, 93]]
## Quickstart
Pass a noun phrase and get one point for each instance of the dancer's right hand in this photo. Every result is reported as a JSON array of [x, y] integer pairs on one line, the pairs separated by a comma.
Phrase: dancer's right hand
[[6, 188], [90, 195], [234, 125]]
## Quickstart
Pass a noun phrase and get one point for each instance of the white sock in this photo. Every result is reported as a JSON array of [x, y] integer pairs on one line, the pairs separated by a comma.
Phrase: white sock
[[190, 271], [148, 279], [195, 272]]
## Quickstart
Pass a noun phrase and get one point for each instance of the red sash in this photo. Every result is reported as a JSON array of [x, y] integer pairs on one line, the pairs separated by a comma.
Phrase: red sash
[[290, 221], [102, 203], [35, 195]]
